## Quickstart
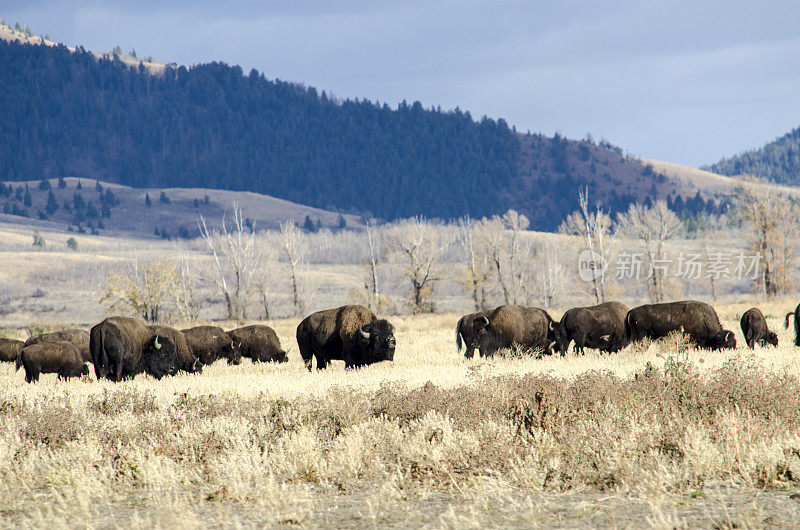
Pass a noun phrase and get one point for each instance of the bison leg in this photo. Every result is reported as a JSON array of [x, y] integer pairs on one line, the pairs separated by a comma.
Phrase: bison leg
[[469, 352]]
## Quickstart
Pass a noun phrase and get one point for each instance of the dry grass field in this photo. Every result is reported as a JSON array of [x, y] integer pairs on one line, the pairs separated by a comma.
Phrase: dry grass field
[[656, 435]]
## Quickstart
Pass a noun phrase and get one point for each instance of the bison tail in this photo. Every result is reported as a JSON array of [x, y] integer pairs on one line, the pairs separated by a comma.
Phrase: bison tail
[[458, 334], [18, 364], [786, 324], [628, 329]]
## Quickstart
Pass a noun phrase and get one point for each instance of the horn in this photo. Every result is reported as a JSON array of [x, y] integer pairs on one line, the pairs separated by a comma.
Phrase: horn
[[156, 344], [484, 320], [605, 338], [363, 333], [392, 326], [728, 335]]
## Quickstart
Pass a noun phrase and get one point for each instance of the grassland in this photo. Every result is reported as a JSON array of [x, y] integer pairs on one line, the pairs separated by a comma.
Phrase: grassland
[[657, 435]]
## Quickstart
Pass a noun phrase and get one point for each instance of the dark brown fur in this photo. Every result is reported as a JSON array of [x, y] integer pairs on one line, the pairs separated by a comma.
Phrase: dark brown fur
[[601, 326], [697, 319], [78, 337], [210, 343], [796, 315], [62, 358], [336, 334], [187, 360], [9, 349], [259, 343], [515, 325], [464, 331], [755, 330]]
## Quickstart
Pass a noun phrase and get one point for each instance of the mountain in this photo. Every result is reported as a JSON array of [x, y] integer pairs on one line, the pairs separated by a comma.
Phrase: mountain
[[778, 161], [70, 113]]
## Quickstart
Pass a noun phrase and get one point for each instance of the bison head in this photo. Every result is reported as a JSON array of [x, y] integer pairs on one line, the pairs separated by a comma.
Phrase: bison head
[[377, 341], [160, 356], [724, 340], [485, 335], [233, 352], [556, 342], [772, 339]]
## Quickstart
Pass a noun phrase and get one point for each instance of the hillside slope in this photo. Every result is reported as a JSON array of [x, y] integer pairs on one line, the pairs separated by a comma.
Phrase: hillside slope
[[778, 161], [213, 127]]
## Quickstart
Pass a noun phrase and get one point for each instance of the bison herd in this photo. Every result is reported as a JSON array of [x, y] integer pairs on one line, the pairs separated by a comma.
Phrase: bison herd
[[121, 347], [608, 327]]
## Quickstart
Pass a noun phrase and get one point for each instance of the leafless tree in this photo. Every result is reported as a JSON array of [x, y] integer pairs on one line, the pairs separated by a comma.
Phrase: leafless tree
[[373, 286], [651, 227], [510, 252], [416, 247], [293, 249], [477, 282], [143, 288], [235, 259], [594, 229], [770, 217], [186, 291], [552, 274], [265, 272]]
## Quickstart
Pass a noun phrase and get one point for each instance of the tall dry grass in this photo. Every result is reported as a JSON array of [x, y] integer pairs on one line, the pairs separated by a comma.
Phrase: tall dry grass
[[430, 439]]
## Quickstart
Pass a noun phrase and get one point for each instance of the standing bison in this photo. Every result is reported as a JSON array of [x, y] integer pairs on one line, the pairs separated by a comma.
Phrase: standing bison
[[259, 343], [77, 337], [123, 347], [350, 333], [510, 325], [187, 361], [9, 349], [796, 324], [755, 330], [209, 343], [601, 326], [696, 319], [62, 358], [464, 331]]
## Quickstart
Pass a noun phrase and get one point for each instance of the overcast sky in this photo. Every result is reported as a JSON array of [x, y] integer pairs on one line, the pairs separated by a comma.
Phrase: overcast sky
[[683, 81]]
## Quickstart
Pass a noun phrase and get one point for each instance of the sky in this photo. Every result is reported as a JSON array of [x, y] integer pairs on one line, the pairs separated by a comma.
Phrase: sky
[[683, 81]]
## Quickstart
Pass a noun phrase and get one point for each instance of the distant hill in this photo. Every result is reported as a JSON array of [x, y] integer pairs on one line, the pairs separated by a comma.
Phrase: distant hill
[[70, 112], [107, 208], [778, 161]]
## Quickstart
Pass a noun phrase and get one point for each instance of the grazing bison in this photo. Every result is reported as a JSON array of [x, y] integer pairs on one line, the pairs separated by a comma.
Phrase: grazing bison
[[509, 325], [755, 330], [78, 337], [9, 349], [601, 326], [187, 360], [796, 324], [697, 319], [62, 358], [259, 343], [210, 343], [123, 347], [464, 331], [350, 333]]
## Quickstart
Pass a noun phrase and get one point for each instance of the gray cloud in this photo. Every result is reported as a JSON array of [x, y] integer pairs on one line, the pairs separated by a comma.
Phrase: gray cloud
[[682, 81]]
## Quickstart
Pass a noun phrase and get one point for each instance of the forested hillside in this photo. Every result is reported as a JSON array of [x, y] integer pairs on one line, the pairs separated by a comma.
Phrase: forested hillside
[[68, 113], [778, 161]]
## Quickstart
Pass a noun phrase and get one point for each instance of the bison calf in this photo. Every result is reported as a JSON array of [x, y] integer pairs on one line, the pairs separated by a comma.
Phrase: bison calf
[[9, 349], [61, 358], [351, 333], [755, 330], [259, 343]]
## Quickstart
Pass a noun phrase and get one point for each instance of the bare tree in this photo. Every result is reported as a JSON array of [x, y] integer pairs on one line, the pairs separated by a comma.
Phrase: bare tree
[[479, 272], [186, 293], [372, 262], [264, 273], [552, 274], [594, 229], [416, 248], [293, 247], [510, 253], [235, 259], [651, 227], [145, 289], [770, 217]]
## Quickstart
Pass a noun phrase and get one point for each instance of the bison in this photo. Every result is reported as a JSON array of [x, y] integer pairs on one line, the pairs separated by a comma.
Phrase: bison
[[510, 325], [123, 347], [755, 330], [464, 331], [62, 358], [9, 349], [209, 343], [259, 343], [187, 360], [796, 324], [697, 319], [351, 333], [78, 337], [601, 326]]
